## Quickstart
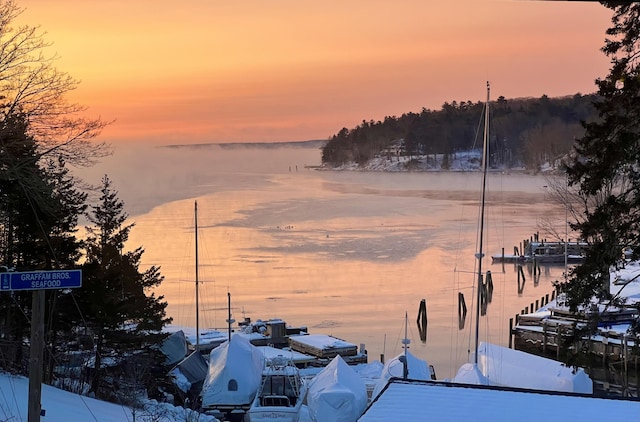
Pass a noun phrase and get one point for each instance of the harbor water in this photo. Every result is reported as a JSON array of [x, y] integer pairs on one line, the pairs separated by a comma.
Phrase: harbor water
[[345, 253]]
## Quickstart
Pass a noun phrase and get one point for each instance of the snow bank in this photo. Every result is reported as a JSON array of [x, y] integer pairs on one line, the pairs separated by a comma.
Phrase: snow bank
[[60, 405]]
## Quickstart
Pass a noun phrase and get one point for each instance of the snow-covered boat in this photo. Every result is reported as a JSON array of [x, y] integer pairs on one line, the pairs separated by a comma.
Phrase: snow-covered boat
[[405, 365], [233, 378], [281, 393], [504, 367], [336, 394]]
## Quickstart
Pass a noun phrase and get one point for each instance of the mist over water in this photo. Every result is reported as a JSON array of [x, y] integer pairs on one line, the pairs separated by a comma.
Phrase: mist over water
[[343, 253]]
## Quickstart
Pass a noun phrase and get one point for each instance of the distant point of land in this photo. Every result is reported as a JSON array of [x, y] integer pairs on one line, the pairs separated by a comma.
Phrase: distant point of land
[[252, 145]]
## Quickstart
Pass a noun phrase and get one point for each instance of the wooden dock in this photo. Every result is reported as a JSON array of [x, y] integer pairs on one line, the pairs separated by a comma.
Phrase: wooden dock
[[612, 358], [325, 347]]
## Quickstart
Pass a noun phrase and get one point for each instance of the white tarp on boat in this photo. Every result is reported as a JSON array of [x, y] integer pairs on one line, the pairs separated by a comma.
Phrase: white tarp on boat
[[235, 370], [418, 369], [336, 394], [506, 367]]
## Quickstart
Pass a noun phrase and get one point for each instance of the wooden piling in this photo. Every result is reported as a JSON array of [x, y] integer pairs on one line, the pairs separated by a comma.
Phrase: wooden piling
[[558, 340], [422, 320], [510, 333]]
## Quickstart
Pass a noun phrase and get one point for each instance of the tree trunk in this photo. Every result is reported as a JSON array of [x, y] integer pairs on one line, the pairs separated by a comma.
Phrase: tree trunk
[[95, 382]]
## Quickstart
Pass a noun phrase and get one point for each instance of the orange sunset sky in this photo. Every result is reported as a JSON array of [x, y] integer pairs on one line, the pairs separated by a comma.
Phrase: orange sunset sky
[[196, 71]]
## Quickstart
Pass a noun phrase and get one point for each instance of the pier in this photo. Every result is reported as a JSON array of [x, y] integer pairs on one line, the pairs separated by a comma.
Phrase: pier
[[610, 357], [541, 251]]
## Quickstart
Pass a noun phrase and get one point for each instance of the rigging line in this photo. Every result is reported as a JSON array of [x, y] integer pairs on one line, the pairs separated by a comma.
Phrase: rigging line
[[475, 303], [20, 308], [15, 400], [207, 280], [459, 249]]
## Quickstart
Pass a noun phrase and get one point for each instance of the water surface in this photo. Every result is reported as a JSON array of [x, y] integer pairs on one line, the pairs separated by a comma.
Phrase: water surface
[[343, 253]]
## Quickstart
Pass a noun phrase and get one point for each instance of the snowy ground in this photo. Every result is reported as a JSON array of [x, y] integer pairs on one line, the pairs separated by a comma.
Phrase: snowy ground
[[63, 406]]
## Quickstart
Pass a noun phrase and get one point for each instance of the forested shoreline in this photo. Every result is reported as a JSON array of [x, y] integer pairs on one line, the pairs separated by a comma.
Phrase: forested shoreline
[[525, 132]]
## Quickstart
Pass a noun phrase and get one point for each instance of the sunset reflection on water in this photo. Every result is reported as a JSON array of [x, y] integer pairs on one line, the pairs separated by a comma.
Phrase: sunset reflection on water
[[343, 253]]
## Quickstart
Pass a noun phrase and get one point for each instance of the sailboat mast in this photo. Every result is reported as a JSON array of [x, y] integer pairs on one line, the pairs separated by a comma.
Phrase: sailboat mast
[[229, 319], [405, 344], [480, 254], [197, 281]]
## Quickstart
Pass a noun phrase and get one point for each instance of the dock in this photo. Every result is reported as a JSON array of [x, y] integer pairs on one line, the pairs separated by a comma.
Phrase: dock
[[543, 251], [610, 356], [325, 347], [318, 349]]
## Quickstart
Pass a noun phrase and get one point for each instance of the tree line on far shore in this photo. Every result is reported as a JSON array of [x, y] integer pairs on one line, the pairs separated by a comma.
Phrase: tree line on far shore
[[524, 132]]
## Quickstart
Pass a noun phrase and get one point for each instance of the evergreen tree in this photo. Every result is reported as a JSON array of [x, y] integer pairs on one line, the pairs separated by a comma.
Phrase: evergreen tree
[[605, 169], [71, 203], [121, 312], [38, 218]]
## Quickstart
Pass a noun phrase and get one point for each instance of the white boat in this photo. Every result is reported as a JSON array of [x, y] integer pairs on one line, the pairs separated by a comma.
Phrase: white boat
[[500, 366], [233, 378], [416, 369], [405, 365], [281, 393], [503, 367], [336, 394]]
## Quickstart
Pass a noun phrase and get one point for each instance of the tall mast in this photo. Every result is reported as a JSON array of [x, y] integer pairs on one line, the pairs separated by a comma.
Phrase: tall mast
[[480, 254], [405, 344], [197, 283]]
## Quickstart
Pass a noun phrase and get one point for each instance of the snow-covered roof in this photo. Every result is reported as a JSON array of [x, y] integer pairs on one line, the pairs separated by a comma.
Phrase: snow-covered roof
[[322, 341], [270, 352], [417, 401], [626, 281]]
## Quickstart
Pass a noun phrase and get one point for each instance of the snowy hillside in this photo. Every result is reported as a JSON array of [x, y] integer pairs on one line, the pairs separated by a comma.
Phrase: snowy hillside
[[462, 161], [63, 406]]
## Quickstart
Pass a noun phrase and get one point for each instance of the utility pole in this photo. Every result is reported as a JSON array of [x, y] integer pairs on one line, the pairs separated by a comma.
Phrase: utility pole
[[36, 355]]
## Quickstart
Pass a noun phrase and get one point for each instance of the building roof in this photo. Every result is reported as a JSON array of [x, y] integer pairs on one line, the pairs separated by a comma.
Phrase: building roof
[[409, 400]]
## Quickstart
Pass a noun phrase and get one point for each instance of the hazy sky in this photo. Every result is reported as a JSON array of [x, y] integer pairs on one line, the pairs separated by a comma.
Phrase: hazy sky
[[283, 70]]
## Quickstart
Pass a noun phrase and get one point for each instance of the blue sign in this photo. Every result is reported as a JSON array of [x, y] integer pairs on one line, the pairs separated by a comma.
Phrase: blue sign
[[36, 280]]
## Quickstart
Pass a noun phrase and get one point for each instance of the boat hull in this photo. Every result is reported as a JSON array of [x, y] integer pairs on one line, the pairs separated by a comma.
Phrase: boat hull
[[273, 414]]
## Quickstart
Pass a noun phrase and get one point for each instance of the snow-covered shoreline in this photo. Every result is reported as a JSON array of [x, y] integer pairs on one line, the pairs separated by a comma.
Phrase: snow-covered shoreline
[[462, 161]]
